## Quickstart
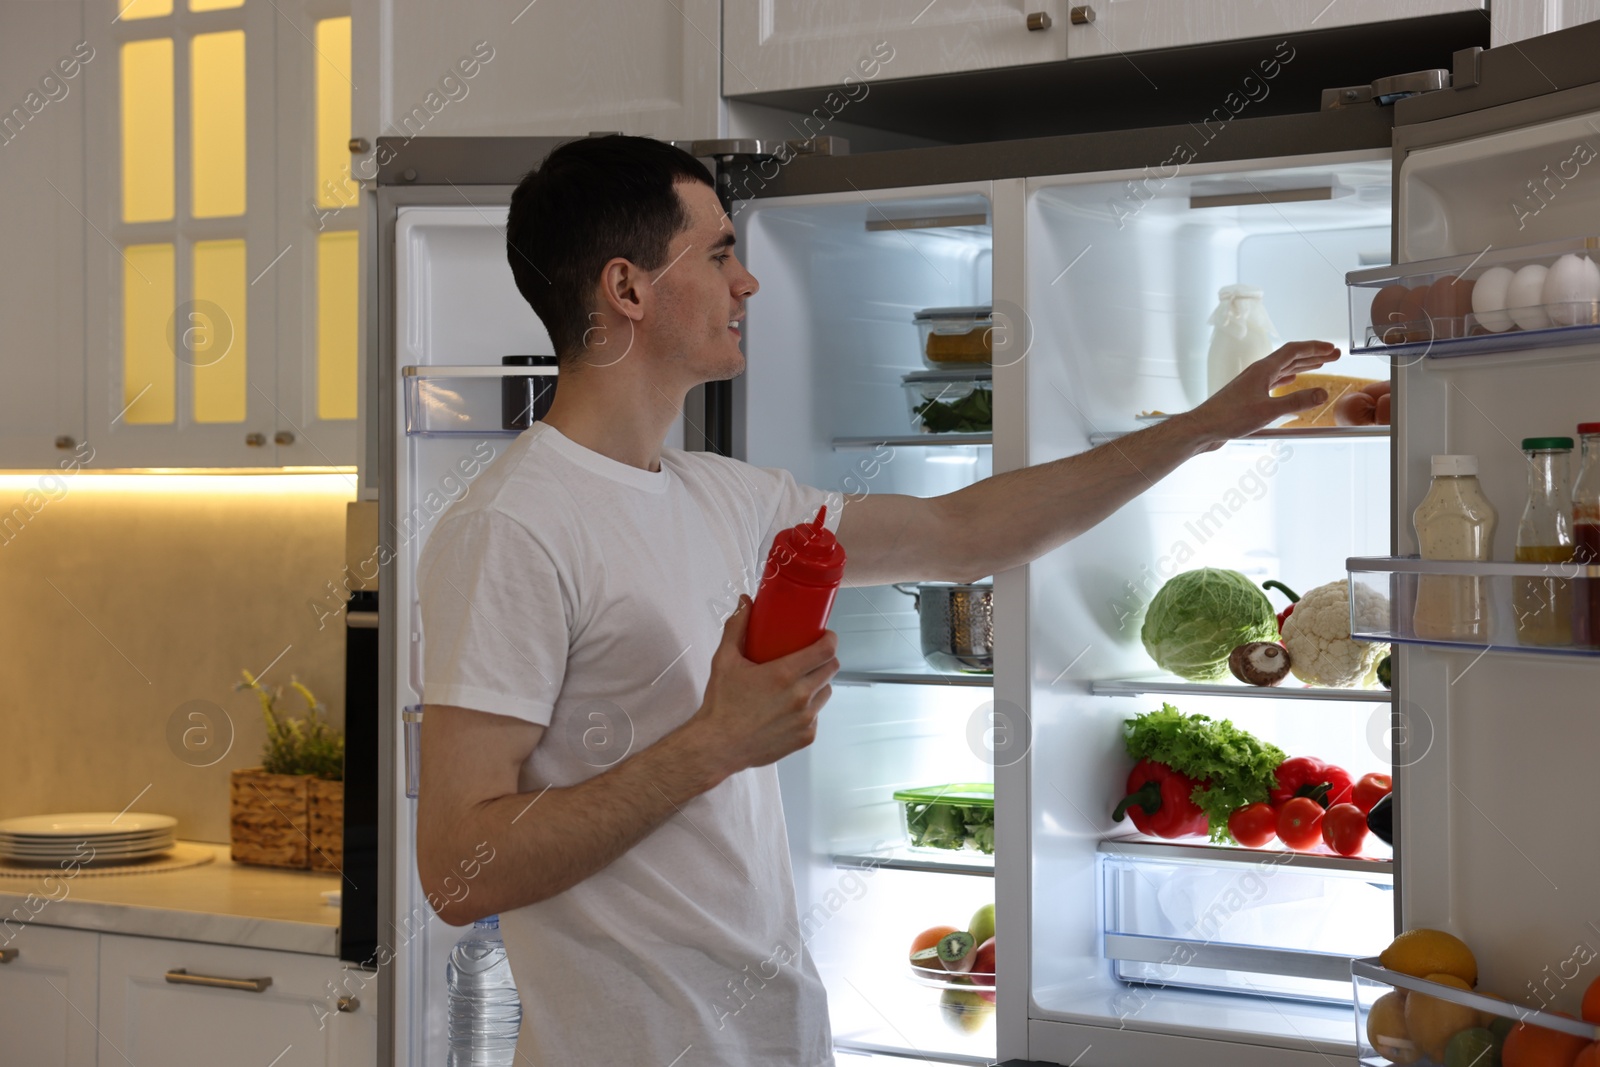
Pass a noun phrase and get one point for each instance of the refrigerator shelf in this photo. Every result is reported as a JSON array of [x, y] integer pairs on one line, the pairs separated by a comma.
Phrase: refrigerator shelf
[[911, 440], [1275, 433], [913, 677], [1218, 956], [904, 858], [1371, 980], [1542, 608], [1377, 869], [1127, 687]]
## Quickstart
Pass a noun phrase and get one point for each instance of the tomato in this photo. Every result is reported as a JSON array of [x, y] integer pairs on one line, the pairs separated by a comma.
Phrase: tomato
[[1253, 825], [1371, 789], [1300, 823], [1344, 829], [1591, 1003]]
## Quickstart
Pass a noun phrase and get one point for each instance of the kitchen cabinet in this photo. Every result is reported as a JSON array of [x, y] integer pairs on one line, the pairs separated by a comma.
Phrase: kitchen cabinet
[[792, 44], [48, 995], [41, 231], [212, 1013]]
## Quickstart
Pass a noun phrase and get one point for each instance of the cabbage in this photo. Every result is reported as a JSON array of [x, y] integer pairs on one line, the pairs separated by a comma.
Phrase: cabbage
[[1200, 616]]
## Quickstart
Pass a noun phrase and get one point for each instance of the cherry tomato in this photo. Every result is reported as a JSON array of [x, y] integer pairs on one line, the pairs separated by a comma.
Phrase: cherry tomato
[[1253, 825], [1344, 829], [1371, 789], [1300, 823]]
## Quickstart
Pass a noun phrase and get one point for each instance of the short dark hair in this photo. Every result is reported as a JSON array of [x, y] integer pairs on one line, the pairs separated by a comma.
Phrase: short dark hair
[[589, 202]]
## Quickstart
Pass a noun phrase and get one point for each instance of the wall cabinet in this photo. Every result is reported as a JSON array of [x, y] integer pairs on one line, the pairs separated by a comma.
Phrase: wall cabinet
[[48, 996], [292, 1022]]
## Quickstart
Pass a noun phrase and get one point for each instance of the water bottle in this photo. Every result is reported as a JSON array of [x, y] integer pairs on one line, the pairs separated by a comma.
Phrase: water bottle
[[802, 577], [485, 1011]]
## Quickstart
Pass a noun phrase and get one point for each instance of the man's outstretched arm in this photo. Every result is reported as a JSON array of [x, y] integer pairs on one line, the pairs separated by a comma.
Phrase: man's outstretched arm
[[1013, 518]]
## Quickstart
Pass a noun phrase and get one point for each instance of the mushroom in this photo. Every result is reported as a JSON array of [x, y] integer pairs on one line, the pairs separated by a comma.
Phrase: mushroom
[[1259, 663]]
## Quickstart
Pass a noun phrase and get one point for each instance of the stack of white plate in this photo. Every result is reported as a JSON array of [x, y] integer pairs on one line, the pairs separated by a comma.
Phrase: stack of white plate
[[98, 837]]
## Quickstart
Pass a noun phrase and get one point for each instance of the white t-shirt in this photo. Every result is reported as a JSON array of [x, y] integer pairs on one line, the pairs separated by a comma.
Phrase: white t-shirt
[[577, 592]]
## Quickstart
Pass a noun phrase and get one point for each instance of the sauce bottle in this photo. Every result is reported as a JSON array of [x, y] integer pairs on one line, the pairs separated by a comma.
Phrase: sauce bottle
[[1543, 603], [1455, 521], [804, 569], [1586, 532]]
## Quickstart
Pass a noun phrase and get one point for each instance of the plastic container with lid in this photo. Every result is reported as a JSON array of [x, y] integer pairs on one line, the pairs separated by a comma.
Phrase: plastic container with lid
[[956, 337], [1586, 532], [951, 401], [1455, 521], [804, 569], [949, 817], [1543, 605]]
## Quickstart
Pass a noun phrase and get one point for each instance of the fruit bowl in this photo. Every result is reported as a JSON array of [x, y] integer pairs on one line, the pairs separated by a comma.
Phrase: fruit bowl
[[939, 978]]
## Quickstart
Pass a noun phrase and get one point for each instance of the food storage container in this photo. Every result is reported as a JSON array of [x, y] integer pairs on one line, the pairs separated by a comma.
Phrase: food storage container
[[1527, 296], [945, 817], [946, 401], [956, 337]]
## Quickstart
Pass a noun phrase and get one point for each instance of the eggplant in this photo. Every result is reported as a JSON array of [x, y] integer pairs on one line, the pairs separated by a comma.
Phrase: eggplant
[[1380, 820]]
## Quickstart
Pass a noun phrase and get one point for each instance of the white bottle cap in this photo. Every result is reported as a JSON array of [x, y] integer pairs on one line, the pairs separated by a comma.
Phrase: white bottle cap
[[1455, 466]]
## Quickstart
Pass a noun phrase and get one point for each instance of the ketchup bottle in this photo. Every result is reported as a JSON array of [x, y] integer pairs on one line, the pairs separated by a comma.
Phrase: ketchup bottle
[[802, 577]]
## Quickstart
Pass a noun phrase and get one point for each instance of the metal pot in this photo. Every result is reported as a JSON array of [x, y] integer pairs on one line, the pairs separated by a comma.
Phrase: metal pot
[[957, 624]]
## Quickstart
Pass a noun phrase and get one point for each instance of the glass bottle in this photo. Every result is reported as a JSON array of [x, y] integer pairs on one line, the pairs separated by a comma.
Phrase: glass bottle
[[1455, 521], [1543, 603], [1586, 532], [1241, 334]]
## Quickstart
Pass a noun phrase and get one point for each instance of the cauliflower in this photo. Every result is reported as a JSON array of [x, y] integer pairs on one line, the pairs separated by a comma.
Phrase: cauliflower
[[1317, 635]]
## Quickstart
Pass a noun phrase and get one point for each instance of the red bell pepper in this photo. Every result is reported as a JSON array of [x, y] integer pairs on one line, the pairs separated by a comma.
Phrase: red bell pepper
[[1159, 801], [1304, 776], [1294, 598]]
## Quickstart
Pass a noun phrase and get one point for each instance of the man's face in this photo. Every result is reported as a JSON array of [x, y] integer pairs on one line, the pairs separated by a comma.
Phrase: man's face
[[700, 292]]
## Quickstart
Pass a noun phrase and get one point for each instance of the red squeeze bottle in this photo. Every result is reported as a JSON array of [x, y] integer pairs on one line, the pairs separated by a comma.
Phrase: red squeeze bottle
[[791, 608]]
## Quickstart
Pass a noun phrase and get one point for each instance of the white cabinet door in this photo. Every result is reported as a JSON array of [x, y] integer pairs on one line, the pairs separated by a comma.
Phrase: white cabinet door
[[293, 1022], [836, 44], [1138, 25], [541, 68], [41, 230], [47, 996]]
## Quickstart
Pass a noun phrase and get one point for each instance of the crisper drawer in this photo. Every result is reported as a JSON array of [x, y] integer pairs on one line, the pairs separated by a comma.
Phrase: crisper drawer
[[1271, 923]]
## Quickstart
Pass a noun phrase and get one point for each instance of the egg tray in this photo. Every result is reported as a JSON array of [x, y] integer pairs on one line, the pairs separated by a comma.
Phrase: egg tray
[[1371, 980], [1531, 296]]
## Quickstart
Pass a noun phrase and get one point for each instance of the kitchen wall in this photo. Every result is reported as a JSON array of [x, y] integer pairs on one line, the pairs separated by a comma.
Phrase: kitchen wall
[[125, 598]]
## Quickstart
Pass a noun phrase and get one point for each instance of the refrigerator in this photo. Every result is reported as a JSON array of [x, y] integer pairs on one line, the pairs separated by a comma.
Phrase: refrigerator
[[1101, 256]]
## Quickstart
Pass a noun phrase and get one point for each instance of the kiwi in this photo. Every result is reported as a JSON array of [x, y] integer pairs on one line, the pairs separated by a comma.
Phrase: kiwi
[[955, 951], [928, 957]]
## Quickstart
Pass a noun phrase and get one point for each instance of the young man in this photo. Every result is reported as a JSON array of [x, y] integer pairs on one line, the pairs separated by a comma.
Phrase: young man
[[590, 718]]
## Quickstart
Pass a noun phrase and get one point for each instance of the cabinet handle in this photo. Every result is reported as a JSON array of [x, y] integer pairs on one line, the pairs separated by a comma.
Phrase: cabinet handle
[[255, 440], [1039, 20], [347, 1004], [179, 976], [1081, 15], [64, 442], [283, 437], [7, 955], [358, 145]]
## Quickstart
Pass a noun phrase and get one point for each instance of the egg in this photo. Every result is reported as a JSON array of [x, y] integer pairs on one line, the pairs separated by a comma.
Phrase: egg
[[1386, 311], [1525, 297], [1445, 302], [1570, 289], [1489, 299]]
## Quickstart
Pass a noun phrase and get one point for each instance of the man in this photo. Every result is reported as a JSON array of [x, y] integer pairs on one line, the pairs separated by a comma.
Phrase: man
[[590, 718]]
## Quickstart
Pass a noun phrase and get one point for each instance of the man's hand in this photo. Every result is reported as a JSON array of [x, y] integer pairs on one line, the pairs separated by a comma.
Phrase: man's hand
[[1245, 404], [757, 713]]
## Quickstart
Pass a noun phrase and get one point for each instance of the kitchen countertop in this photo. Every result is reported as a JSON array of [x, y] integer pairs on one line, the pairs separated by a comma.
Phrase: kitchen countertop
[[220, 903]]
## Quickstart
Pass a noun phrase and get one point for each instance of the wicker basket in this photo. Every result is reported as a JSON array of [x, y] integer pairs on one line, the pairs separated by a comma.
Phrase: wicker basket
[[286, 820]]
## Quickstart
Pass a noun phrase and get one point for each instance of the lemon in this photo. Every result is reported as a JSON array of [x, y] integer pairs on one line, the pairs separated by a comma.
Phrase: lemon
[[1433, 1022], [1475, 1047], [1386, 1028], [1420, 953]]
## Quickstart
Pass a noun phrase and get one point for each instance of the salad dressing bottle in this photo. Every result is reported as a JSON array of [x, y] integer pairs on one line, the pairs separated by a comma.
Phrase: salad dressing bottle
[[1455, 521], [1586, 533], [1544, 603]]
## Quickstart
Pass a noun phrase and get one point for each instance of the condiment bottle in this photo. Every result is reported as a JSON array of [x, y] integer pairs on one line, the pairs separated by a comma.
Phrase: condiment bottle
[[1241, 333], [804, 569], [1543, 602], [1455, 521], [1586, 531]]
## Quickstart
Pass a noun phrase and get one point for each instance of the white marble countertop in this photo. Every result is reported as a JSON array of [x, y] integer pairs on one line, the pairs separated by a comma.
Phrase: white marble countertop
[[220, 903]]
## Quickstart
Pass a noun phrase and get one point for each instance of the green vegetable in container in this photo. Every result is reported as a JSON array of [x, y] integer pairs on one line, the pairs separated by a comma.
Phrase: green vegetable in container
[[973, 413], [1237, 768], [1201, 616]]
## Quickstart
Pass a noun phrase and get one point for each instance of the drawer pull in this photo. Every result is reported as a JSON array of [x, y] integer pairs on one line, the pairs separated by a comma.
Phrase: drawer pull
[[7, 955], [179, 976], [348, 1004]]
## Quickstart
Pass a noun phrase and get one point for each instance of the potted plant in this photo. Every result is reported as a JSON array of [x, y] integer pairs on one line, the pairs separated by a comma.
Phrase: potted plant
[[289, 812]]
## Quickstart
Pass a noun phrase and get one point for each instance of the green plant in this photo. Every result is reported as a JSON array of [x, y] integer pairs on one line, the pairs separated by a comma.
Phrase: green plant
[[308, 745]]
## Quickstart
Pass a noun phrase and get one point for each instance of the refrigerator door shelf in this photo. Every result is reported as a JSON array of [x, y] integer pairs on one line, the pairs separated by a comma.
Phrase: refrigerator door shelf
[[460, 400], [1290, 690], [1546, 608], [1372, 980], [1379, 870]]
